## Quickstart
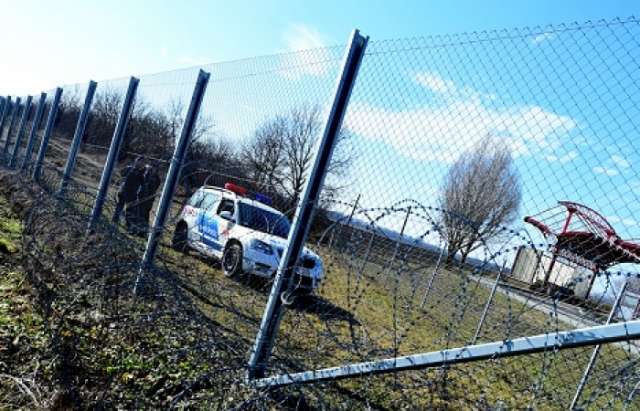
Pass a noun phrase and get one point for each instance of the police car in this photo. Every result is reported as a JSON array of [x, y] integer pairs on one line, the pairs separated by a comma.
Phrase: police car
[[245, 233]]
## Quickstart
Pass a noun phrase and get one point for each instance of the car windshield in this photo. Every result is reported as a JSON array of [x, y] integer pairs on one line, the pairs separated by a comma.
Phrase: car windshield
[[264, 221]]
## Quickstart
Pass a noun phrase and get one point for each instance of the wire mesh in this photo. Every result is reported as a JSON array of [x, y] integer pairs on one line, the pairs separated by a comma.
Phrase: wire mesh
[[457, 139], [419, 242]]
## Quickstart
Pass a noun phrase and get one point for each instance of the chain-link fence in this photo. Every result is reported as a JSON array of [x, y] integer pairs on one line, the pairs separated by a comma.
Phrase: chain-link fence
[[472, 240]]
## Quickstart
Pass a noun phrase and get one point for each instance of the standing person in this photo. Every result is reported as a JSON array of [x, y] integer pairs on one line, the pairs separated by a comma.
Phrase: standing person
[[147, 196], [131, 179]]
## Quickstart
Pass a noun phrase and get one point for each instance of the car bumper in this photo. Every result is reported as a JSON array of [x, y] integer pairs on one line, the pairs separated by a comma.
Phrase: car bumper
[[304, 279]]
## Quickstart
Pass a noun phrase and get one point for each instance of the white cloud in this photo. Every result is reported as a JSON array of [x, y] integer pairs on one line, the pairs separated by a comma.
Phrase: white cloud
[[628, 222], [302, 37], [605, 170], [580, 141], [435, 83], [194, 60], [442, 132], [307, 54], [542, 37], [570, 156], [620, 161], [448, 90]]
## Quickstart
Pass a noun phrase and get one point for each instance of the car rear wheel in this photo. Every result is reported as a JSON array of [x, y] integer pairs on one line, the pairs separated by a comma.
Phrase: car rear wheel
[[179, 241], [232, 260]]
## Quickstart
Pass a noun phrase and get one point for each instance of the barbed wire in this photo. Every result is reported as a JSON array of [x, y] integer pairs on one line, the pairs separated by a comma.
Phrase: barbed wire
[[440, 127]]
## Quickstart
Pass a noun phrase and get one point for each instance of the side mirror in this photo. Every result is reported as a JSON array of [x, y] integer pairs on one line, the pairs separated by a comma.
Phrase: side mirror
[[227, 215]]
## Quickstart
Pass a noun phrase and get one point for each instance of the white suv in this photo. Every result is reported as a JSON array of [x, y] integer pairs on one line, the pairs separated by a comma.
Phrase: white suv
[[245, 234]]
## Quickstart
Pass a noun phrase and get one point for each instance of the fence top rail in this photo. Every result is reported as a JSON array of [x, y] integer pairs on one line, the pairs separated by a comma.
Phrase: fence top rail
[[498, 349]]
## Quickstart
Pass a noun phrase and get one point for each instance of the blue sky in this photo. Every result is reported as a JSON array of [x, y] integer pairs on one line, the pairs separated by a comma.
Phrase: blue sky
[[565, 102], [47, 43]]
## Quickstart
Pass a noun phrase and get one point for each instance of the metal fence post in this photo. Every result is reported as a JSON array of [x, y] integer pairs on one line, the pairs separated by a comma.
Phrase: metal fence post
[[173, 175], [3, 104], [77, 137], [14, 113], [488, 303], [596, 349], [114, 150], [5, 113], [308, 200], [34, 128], [51, 119], [21, 128]]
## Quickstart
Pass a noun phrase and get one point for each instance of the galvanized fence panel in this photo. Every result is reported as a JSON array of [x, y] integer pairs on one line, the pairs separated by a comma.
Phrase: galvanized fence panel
[[467, 135], [433, 290]]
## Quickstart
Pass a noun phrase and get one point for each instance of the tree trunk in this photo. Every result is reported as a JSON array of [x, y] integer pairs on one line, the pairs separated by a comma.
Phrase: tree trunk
[[463, 257], [451, 254]]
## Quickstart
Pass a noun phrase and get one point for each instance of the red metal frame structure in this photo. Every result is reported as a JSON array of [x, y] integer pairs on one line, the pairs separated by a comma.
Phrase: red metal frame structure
[[585, 238]]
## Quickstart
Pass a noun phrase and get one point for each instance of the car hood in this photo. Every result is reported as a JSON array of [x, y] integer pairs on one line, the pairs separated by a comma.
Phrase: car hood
[[280, 243]]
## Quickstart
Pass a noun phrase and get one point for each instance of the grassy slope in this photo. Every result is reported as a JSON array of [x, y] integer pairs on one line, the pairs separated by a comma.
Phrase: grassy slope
[[23, 337], [322, 336], [357, 325]]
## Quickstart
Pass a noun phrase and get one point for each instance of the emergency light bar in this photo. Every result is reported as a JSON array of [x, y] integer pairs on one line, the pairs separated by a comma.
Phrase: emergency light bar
[[236, 189], [263, 199], [246, 193]]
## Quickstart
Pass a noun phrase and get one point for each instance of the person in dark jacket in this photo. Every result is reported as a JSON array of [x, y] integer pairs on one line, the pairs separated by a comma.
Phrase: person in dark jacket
[[147, 196], [127, 194]]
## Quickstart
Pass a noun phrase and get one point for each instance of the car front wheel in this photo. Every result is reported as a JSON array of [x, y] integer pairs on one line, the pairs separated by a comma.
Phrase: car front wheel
[[232, 260]]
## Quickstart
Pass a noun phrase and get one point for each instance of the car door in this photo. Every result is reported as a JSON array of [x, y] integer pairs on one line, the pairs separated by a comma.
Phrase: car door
[[208, 224], [190, 216], [224, 224]]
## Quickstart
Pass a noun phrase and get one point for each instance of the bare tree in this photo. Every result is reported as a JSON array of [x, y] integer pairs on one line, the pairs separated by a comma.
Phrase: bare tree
[[103, 117], [264, 155], [303, 131], [211, 162], [68, 113], [154, 132], [480, 195], [280, 153]]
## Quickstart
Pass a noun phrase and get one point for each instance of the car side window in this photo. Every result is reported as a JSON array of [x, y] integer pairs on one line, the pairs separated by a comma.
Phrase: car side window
[[210, 200], [226, 205], [196, 199]]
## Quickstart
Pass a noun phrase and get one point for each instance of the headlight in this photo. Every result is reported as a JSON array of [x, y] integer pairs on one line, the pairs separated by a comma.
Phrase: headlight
[[262, 247]]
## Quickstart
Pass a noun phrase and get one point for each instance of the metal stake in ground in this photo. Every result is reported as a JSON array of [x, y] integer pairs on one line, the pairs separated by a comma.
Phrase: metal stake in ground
[[5, 113], [596, 349], [34, 128], [433, 277], [173, 175], [77, 138], [308, 200], [51, 119], [14, 114], [396, 248], [488, 303], [114, 150], [21, 129]]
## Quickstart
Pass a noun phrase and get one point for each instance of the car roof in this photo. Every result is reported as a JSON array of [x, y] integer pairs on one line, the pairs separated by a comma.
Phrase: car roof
[[232, 195]]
